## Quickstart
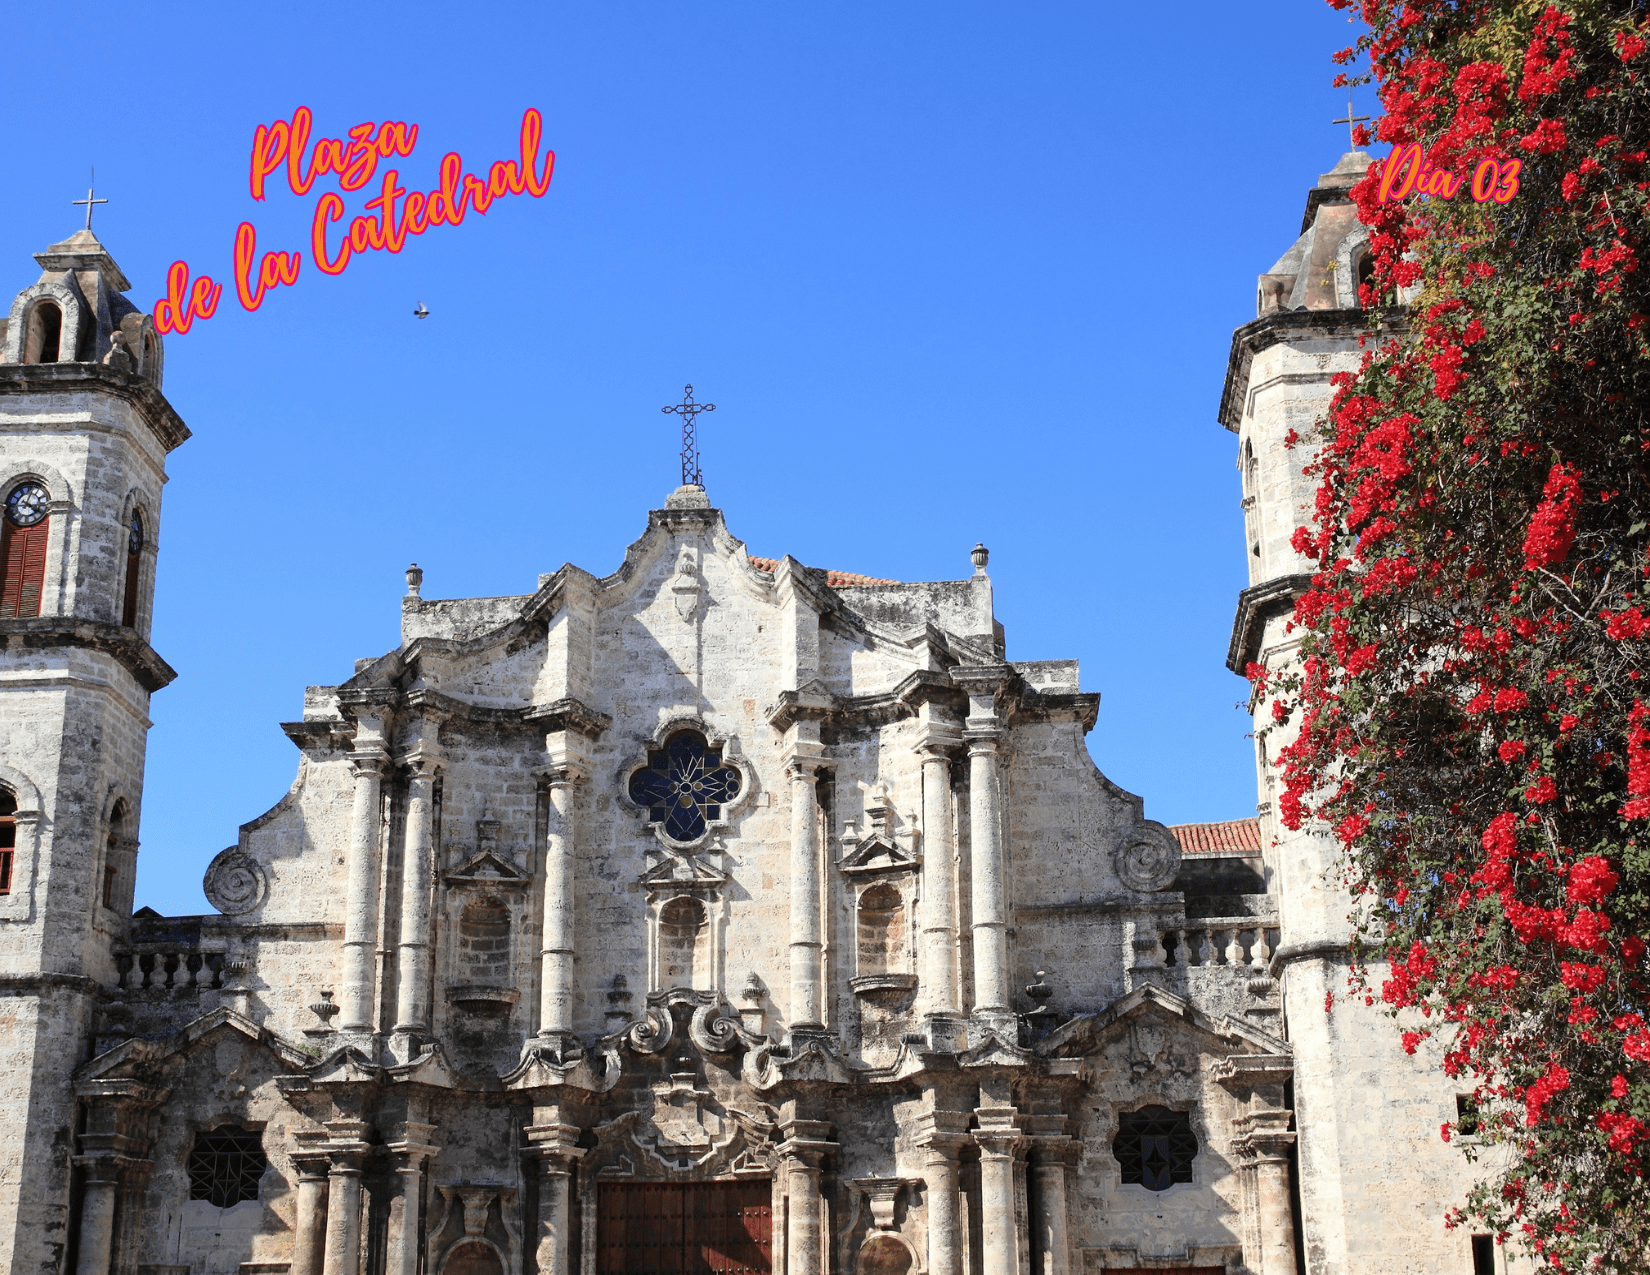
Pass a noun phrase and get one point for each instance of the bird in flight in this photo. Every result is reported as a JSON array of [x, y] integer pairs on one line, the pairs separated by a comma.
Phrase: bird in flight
[[421, 312]]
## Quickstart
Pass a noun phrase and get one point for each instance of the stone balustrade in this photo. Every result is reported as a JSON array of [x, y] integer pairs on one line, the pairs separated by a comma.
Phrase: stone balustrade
[[172, 968], [1236, 941]]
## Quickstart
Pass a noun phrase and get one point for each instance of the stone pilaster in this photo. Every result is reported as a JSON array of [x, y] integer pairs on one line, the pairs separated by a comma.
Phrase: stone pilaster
[[1262, 1143], [112, 1156], [556, 1148], [412, 1151], [309, 1230], [802, 1161], [346, 1153], [942, 1135], [998, 1138], [361, 893], [1050, 1157], [412, 1005], [558, 954]]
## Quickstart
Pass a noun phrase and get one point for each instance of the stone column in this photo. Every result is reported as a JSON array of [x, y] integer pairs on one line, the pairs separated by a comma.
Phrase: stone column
[[412, 1006], [413, 1151], [310, 1222], [998, 1138], [939, 879], [986, 865], [941, 1177], [1050, 1220], [558, 945], [806, 1008], [97, 1215], [556, 1146], [802, 1157], [361, 894], [346, 1152]]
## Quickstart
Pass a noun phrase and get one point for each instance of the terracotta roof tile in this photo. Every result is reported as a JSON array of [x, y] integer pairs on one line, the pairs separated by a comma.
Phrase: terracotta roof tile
[[1235, 836], [836, 579]]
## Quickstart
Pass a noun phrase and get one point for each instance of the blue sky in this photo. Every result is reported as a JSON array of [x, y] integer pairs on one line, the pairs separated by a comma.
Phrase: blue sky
[[950, 272]]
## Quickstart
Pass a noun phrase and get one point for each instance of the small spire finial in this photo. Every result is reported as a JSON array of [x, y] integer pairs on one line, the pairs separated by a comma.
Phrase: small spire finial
[[415, 580], [687, 409], [1351, 121], [981, 555], [89, 201]]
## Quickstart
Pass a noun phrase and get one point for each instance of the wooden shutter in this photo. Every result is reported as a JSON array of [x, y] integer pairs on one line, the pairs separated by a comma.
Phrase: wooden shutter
[[22, 568]]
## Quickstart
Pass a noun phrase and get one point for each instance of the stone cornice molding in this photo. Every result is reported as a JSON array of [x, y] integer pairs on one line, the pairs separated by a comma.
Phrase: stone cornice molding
[[44, 632], [1256, 605], [811, 703], [1286, 325], [35, 378], [1317, 949]]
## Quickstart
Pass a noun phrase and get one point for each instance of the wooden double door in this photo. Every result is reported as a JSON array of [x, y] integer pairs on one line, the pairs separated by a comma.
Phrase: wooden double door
[[684, 1228]]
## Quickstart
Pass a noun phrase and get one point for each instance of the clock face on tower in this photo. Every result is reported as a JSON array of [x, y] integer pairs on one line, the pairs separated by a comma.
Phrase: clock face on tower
[[27, 504]]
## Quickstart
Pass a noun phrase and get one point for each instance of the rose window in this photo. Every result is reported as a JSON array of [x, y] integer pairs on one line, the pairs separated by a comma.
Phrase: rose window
[[684, 785]]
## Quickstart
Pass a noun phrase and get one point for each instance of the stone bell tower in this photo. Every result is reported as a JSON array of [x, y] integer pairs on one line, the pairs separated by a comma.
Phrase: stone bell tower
[[84, 436], [1375, 1178]]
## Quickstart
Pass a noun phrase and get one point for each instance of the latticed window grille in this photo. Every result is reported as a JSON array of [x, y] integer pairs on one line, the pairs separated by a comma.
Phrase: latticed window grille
[[1156, 1147], [225, 1165]]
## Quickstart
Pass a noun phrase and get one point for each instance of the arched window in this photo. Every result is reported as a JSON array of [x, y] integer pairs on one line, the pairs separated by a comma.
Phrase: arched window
[[1365, 268], [225, 1165], [684, 944], [23, 531], [684, 785], [881, 931], [148, 368], [1156, 1147], [8, 837], [45, 333], [484, 942], [134, 552], [112, 855]]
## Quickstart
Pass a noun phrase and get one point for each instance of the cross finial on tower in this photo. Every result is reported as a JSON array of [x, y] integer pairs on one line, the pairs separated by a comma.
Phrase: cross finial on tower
[[89, 201], [687, 409], [1351, 121]]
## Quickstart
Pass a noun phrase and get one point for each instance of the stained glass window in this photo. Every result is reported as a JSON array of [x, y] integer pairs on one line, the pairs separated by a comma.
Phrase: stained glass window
[[1156, 1147], [225, 1165], [684, 785]]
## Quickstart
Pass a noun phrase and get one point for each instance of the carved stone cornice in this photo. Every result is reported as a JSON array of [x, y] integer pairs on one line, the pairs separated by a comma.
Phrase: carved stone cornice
[[1256, 605], [157, 413], [46, 632]]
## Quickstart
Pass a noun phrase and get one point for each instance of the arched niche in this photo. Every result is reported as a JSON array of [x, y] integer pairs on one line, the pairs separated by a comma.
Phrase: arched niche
[[684, 944], [880, 931], [472, 1257]]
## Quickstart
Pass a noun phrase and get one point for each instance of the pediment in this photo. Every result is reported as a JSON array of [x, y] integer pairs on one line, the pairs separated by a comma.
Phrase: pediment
[[1087, 1033], [878, 854], [135, 1057], [681, 871], [487, 867]]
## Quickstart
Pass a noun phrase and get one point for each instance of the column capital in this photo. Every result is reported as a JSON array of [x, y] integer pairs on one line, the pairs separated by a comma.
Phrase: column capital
[[565, 776], [998, 1135], [412, 1139], [936, 741], [368, 762], [553, 1142], [423, 762]]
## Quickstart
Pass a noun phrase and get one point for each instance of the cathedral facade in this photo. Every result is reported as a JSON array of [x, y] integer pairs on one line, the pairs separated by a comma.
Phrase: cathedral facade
[[716, 913]]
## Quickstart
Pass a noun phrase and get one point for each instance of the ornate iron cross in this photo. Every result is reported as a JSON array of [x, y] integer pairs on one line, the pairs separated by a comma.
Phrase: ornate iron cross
[[89, 201], [687, 409], [1350, 121]]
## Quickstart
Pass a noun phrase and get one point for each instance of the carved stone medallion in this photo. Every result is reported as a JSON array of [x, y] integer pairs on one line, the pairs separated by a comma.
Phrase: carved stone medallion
[[235, 882], [1149, 859]]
